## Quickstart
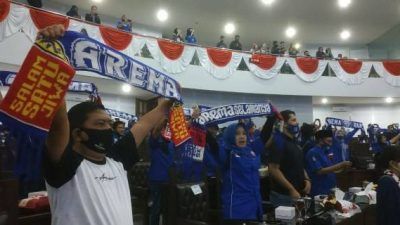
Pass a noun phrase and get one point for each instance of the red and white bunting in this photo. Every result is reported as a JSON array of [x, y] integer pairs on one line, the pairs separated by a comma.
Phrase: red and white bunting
[[264, 66], [389, 70], [307, 69], [219, 62], [173, 57], [92, 31], [351, 71], [13, 19]]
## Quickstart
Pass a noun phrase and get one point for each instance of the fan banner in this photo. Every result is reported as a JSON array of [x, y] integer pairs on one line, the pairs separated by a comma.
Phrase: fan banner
[[7, 78], [351, 72], [173, 57], [38, 89], [343, 123], [226, 113], [389, 70], [14, 18], [114, 38], [264, 66], [87, 54], [218, 62], [177, 125], [307, 69]]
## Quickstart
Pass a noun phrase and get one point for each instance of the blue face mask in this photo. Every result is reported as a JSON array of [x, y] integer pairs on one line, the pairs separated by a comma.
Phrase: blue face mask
[[293, 129]]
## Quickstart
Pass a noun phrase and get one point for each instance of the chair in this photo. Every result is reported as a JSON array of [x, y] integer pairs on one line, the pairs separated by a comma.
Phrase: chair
[[138, 183], [191, 209]]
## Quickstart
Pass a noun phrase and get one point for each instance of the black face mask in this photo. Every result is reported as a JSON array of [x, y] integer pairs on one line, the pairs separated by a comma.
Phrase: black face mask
[[99, 140]]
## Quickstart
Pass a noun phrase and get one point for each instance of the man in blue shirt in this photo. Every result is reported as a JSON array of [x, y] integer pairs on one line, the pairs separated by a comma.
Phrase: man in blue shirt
[[320, 164]]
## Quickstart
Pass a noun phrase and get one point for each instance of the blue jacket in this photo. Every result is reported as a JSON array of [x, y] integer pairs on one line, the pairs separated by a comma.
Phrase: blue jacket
[[162, 158], [240, 194], [191, 39], [316, 159]]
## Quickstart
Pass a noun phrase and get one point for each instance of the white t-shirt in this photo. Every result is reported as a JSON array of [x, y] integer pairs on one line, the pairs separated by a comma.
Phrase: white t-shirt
[[82, 192]]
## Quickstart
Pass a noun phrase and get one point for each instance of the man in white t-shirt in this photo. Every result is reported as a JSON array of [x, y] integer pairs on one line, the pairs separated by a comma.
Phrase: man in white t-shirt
[[85, 172]]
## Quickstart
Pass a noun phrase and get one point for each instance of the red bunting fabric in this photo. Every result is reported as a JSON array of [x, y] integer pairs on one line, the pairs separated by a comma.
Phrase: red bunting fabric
[[42, 19], [307, 65], [393, 67], [264, 66], [4, 9], [307, 69], [117, 39], [350, 66], [265, 62], [389, 70], [170, 49], [219, 57], [351, 72]]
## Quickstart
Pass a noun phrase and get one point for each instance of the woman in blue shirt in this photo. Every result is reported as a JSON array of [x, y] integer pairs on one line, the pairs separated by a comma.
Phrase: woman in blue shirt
[[240, 161], [388, 192]]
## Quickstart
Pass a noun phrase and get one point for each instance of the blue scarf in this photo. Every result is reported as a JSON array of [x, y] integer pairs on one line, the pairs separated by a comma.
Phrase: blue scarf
[[344, 123], [226, 113]]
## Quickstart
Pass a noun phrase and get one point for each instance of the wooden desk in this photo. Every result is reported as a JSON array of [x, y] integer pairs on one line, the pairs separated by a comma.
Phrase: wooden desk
[[366, 217], [355, 178], [35, 219]]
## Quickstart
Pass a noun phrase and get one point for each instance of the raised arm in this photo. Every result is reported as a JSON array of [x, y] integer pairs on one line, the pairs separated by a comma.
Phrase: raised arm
[[395, 139], [142, 128], [58, 137], [350, 135], [335, 168]]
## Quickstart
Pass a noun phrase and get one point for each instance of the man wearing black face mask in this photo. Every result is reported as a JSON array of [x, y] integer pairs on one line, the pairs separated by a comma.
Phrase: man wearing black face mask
[[320, 164], [286, 165]]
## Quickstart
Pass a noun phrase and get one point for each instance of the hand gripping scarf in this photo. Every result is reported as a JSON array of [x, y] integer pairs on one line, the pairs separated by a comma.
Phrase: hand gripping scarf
[[41, 84]]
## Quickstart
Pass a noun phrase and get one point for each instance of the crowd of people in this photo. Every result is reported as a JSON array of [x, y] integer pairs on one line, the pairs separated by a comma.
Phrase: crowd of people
[[274, 48]]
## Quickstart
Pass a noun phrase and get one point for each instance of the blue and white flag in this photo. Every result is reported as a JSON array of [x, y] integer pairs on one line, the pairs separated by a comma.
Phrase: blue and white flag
[[226, 113], [87, 54], [343, 123]]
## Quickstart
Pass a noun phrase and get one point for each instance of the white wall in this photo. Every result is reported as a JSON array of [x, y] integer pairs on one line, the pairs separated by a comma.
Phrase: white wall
[[376, 113]]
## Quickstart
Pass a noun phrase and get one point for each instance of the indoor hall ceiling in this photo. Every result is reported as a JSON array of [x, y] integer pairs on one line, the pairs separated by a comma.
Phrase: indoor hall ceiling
[[317, 21]]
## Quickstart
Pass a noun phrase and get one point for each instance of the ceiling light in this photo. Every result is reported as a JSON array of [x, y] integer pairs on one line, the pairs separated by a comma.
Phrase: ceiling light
[[344, 3], [324, 100], [345, 34], [97, 1], [290, 32], [389, 100], [229, 28], [267, 2], [126, 88], [162, 15], [297, 46]]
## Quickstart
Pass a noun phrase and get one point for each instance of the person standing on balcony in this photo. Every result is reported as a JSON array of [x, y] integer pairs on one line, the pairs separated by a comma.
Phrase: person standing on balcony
[[93, 16], [235, 44], [190, 38], [125, 24]]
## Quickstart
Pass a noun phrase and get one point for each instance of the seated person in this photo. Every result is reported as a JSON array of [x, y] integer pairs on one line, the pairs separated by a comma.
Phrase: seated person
[[320, 164], [388, 192]]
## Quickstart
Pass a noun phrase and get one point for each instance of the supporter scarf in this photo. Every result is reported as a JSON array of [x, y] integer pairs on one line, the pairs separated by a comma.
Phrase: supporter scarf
[[178, 126], [32, 101], [344, 123], [226, 113], [88, 54]]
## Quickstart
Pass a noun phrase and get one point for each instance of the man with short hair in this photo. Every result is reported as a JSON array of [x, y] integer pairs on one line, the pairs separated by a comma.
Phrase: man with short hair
[[235, 44], [85, 173], [321, 165], [119, 130], [286, 165], [93, 16], [221, 43]]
